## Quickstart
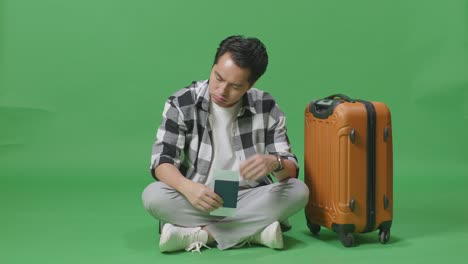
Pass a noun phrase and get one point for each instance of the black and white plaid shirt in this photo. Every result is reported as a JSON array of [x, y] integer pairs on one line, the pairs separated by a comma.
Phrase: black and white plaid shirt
[[184, 136]]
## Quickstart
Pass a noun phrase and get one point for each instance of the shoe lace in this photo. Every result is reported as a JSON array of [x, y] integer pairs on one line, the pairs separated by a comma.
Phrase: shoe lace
[[196, 247], [247, 241]]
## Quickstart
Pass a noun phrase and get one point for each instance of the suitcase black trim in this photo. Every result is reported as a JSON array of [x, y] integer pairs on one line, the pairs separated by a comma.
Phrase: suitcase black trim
[[371, 165]]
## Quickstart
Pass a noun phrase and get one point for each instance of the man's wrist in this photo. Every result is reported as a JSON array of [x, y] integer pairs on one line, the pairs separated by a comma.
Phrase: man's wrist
[[279, 160]]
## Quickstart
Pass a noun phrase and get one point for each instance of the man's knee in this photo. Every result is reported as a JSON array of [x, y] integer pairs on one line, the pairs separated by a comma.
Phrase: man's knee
[[154, 197], [299, 193], [302, 192], [289, 197]]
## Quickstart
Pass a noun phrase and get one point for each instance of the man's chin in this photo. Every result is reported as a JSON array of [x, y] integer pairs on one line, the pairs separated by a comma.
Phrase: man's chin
[[221, 103]]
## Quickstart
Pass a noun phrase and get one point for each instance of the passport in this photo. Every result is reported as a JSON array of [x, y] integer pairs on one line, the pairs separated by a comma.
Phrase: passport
[[226, 185]]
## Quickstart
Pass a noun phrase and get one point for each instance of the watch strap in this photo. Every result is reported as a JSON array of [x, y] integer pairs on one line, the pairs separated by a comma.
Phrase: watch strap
[[280, 163]]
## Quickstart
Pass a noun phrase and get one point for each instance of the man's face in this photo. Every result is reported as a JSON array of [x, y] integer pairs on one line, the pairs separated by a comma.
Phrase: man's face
[[228, 82]]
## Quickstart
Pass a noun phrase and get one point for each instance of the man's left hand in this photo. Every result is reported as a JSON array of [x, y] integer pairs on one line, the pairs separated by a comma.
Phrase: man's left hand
[[258, 166]]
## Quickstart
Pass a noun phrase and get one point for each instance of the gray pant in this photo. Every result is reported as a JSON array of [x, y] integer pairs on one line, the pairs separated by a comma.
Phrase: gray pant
[[256, 209]]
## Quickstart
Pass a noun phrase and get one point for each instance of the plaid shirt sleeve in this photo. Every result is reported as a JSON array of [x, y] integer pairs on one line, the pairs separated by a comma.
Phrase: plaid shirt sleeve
[[277, 140], [170, 138]]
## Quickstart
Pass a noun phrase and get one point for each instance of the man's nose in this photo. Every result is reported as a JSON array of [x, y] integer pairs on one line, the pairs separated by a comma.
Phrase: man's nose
[[223, 88]]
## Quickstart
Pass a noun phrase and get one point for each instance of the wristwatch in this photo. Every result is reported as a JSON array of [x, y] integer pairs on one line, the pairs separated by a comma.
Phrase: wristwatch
[[280, 163]]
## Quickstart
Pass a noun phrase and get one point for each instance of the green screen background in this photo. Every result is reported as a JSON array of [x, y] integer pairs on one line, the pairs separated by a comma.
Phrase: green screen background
[[82, 88]]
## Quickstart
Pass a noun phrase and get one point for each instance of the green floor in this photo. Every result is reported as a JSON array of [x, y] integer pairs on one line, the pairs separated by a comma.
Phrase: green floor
[[69, 220]]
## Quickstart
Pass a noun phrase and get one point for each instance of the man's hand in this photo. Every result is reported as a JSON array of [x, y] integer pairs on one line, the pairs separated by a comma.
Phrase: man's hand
[[202, 197], [258, 166]]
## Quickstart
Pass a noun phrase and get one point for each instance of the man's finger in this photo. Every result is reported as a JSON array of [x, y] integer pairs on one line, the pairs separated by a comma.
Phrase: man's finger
[[206, 207], [255, 173], [248, 165], [211, 194], [212, 202], [254, 169], [218, 199]]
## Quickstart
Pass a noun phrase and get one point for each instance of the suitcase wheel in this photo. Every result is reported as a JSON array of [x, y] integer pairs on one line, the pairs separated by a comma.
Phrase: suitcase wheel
[[347, 239], [315, 229], [384, 236]]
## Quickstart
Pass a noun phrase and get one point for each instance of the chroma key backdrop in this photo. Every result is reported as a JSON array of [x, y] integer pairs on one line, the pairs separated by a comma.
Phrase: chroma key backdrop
[[82, 89]]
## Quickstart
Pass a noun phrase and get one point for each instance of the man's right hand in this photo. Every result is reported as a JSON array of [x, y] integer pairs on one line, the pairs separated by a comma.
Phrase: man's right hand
[[199, 195], [202, 197]]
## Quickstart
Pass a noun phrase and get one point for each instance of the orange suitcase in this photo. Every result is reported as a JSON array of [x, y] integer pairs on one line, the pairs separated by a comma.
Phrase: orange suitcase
[[348, 161]]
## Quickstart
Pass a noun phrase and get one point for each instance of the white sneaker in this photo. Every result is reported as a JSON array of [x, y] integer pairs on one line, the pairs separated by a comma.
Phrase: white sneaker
[[271, 237], [174, 238]]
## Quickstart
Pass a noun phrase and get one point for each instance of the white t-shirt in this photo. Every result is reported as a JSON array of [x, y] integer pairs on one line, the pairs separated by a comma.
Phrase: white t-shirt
[[224, 156]]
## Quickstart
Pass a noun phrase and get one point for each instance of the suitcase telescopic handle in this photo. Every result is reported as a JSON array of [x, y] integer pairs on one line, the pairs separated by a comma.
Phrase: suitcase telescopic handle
[[341, 96]]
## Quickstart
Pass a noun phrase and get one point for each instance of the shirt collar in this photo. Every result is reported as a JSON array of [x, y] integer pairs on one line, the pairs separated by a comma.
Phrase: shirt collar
[[247, 103], [203, 99]]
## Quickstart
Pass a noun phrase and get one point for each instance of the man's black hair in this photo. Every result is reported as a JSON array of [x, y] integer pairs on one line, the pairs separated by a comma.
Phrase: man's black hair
[[247, 53]]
